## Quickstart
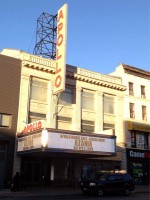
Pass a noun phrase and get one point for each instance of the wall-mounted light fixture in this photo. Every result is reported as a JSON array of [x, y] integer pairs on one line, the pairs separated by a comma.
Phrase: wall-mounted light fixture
[[44, 138]]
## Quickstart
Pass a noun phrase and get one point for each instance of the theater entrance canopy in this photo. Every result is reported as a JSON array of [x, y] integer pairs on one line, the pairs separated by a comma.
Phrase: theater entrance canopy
[[41, 141]]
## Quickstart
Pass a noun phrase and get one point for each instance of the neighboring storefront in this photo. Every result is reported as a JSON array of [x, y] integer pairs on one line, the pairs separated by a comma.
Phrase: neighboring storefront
[[53, 156], [138, 165], [138, 156]]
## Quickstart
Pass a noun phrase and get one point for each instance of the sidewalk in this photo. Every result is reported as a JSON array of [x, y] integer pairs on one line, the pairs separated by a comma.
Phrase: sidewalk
[[53, 191]]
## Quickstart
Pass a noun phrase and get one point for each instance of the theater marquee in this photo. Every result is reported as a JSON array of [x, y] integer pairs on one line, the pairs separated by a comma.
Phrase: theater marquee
[[70, 143]]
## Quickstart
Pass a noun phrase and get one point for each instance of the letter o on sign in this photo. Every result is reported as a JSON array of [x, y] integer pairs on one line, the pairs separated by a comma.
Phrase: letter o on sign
[[58, 81], [59, 39]]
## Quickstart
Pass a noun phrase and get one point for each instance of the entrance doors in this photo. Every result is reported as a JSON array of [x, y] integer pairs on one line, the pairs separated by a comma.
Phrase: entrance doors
[[36, 172], [44, 171]]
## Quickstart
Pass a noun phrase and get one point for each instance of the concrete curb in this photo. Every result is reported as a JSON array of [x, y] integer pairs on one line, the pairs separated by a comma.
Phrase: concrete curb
[[54, 193]]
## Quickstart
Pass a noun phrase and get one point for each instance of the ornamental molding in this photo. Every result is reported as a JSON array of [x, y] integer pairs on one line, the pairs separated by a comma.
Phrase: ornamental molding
[[95, 78], [76, 73]]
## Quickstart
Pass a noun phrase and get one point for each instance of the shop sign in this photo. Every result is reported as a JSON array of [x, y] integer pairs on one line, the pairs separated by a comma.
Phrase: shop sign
[[138, 126], [33, 126], [138, 154], [60, 72]]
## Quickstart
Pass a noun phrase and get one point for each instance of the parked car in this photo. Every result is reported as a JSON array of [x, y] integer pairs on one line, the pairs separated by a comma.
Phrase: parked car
[[107, 183]]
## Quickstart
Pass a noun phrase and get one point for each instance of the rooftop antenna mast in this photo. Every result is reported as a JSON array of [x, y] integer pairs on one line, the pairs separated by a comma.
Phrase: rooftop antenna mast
[[46, 35]]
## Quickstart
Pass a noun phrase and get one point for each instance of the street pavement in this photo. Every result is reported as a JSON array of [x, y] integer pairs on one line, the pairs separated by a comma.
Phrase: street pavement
[[55, 191]]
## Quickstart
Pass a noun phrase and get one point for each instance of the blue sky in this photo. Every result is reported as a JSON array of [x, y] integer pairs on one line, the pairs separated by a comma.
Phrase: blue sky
[[101, 33]]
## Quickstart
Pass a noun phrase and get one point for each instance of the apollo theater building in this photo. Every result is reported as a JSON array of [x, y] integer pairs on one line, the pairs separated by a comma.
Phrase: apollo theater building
[[57, 118]]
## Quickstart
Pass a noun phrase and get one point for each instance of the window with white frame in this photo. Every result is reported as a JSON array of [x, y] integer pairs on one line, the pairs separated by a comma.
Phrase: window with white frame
[[109, 104], [5, 120], [107, 126], [88, 100], [64, 123], [33, 117], [87, 126], [39, 89]]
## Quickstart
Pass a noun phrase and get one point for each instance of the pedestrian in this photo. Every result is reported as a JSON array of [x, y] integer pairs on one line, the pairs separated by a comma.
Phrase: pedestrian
[[16, 182]]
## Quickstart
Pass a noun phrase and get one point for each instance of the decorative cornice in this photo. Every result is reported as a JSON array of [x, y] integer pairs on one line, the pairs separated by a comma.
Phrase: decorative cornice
[[99, 80], [38, 67], [136, 71], [76, 73]]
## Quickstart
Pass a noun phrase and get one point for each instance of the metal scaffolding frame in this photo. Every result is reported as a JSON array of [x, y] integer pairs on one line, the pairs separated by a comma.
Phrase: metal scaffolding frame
[[46, 35]]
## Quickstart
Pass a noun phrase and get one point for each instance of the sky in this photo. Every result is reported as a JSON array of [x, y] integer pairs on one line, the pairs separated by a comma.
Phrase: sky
[[101, 34]]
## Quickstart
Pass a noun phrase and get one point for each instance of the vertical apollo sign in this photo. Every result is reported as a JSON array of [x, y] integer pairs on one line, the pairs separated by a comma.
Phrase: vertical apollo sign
[[60, 73]]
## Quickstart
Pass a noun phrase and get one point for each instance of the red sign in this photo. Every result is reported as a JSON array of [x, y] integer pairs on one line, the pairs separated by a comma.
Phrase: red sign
[[33, 126]]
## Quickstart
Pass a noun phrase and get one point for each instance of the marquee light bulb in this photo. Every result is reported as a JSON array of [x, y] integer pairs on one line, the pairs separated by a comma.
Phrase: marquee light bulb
[[44, 138]]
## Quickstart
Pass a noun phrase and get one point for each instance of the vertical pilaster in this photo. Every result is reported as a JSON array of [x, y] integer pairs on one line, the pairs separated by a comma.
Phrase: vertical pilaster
[[53, 107], [23, 102], [50, 106], [99, 112], [76, 119], [22, 115]]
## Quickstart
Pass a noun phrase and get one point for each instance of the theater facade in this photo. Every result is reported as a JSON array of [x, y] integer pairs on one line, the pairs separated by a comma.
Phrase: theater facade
[[56, 135]]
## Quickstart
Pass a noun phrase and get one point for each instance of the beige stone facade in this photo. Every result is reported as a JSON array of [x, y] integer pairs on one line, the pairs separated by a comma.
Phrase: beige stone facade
[[103, 89]]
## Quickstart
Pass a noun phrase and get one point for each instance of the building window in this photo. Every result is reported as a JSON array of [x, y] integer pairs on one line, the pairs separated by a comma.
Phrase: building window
[[132, 114], [131, 92], [143, 91], [5, 120], [66, 97], [133, 139], [39, 89], [107, 126], [144, 115], [87, 126], [87, 100], [64, 123], [109, 104], [139, 140], [33, 117], [146, 143]]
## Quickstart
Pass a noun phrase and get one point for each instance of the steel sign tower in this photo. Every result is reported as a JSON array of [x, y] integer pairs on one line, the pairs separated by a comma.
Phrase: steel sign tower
[[46, 35]]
